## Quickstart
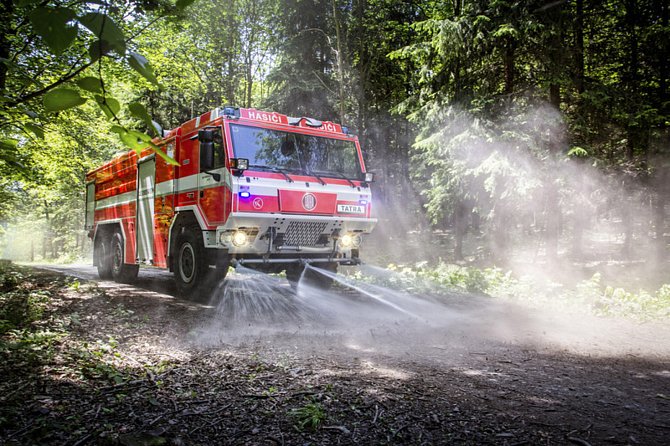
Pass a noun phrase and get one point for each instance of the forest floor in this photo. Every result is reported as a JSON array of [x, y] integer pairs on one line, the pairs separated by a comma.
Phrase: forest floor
[[94, 362]]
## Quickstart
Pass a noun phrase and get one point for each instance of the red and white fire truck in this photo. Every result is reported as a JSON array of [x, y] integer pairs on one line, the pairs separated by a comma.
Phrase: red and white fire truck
[[258, 188]]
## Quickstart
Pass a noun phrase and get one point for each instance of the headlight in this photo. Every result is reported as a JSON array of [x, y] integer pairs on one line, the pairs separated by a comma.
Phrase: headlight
[[240, 238], [350, 241]]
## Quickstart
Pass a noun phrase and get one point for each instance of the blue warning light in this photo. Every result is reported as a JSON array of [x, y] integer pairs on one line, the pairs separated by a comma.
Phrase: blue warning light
[[245, 194]]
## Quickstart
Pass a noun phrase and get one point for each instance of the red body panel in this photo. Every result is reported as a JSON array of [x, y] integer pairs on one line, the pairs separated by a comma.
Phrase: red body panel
[[259, 203], [300, 202]]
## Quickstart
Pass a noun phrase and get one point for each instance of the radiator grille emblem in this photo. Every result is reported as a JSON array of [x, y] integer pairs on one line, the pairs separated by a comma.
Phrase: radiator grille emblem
[[308, 202]]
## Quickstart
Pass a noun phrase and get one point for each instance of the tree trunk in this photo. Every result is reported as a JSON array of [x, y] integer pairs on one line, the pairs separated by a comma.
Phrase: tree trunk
[[632, 127], [340, 60], [579, 47], [552, 223], [5, 45], [460, 219], [555, 95], [660, 199], [509, 68]]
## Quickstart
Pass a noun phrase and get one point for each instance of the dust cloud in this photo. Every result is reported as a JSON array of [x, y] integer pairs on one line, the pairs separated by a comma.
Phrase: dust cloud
[[525, 188], [357, 318]]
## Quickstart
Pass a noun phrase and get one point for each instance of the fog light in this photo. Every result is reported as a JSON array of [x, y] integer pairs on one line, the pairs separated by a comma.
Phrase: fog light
[[349, 240], [225, 238], [240, 238]]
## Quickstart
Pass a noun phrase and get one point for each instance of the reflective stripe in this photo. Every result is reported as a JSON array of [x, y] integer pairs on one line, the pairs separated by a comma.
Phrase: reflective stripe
[[116, 200]]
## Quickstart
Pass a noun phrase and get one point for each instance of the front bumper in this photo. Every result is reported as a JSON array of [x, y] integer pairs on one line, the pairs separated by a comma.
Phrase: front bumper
[[278, 237]]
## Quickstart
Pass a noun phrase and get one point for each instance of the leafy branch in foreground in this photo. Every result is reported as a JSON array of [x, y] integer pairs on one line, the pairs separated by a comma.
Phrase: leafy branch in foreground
[[60, 44]]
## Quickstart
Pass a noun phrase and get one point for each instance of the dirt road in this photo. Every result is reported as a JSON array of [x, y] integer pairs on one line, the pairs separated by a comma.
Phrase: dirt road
[[464, 370]]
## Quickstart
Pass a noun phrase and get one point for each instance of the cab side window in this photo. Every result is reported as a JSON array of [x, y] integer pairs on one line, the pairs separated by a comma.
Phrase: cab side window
[[219, 156]]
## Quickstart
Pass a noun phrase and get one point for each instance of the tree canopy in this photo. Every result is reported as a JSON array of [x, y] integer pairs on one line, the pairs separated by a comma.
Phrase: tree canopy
[[508, 119]]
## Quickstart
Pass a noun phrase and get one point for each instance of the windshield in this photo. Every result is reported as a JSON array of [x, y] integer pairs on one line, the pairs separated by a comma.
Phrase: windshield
[[295, 151]]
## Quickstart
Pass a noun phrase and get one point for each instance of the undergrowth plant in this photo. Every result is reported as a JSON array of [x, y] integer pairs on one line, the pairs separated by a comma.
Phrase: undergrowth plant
[[310, 416], [589, 295]]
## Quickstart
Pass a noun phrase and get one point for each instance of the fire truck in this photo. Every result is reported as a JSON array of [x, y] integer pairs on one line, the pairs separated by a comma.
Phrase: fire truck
[[251, 187]]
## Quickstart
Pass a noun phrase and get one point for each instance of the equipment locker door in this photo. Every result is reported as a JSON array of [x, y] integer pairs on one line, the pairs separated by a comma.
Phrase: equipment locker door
[[90, 205], [146, 181]]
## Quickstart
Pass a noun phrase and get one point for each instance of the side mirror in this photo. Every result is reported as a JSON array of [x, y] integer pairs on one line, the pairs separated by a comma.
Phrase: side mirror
[[206, 155]]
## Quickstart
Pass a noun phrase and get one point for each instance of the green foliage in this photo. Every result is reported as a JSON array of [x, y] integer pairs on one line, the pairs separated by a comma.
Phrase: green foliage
[[586, 296], [34, 82], [140, 64], [104, 28], [19, 306], [51, 24], [62, 99], [310, 416]]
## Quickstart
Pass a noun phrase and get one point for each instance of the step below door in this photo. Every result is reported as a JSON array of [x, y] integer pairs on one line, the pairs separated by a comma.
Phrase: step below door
[[146, 184]]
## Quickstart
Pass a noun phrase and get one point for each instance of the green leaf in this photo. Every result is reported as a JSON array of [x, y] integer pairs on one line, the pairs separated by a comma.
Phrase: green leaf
[[578, 152], [118, 129], [62, 99], [104, 27], [51, 25], [108, 105], [130, 139], [90, 83], [163, 155], [8, 144], [34, 129], [140, 64], [98, 49], [139, 141], [138, 110], [183, 4]]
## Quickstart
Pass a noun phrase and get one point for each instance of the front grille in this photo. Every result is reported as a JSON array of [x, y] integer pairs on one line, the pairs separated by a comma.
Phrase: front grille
[[303, 233]]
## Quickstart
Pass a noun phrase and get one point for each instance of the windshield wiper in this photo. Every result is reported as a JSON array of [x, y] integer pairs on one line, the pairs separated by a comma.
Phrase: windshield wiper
[[312, 174], [336, 175], [271, 169]]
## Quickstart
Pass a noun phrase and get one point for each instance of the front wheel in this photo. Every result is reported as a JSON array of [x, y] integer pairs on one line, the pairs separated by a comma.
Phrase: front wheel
[[194, 277], [121, 271]]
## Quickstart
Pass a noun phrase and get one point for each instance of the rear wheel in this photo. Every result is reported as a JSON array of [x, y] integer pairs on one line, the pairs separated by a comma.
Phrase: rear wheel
[[195, 279], [121, 271], [103, 257]]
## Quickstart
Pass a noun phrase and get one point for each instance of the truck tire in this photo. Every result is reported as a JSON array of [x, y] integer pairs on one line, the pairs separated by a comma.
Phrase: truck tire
[[193, 275], [121, 271], [103, 257]]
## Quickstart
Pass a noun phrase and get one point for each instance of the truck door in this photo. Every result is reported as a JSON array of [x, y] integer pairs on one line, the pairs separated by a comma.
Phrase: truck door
[[144, 224], [212, 196]]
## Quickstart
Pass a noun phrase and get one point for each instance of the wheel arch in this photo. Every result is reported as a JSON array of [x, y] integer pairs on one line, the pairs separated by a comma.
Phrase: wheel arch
[[182, 220], [105, 230], [186, 219]]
